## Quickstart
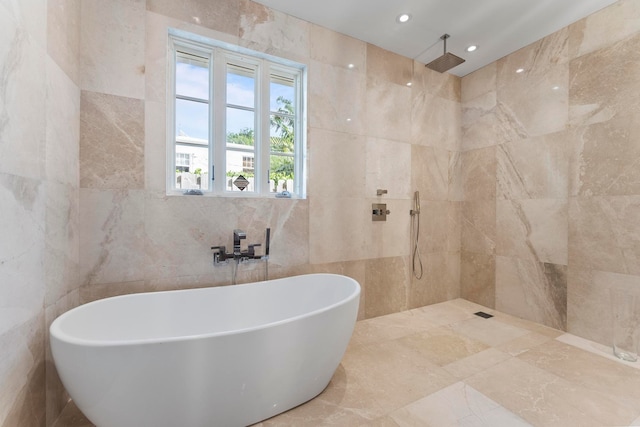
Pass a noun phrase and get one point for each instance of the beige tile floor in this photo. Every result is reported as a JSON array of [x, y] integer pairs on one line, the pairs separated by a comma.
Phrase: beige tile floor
[[441, 365]]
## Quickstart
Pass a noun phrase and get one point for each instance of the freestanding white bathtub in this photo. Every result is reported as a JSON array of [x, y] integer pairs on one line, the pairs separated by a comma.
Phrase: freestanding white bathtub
[[222, 356]]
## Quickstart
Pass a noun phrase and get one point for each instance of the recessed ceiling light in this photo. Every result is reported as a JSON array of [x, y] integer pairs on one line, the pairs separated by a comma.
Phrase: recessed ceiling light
[[409, 83], [519, 70], [556, 88], [403, 17], [350, 65], [472, 48]]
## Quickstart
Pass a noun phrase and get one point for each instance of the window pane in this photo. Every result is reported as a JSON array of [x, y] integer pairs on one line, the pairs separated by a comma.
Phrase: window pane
[[192, 120], [281, 173], [192, 167], [282, 135], [241, 84], [192, 76], [240, 127], [282, 95]]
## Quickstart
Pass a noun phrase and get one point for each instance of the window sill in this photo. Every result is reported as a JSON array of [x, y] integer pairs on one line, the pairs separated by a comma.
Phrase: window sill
[[232, 195]]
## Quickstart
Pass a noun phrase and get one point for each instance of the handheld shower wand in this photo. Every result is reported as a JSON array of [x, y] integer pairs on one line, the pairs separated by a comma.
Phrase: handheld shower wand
[[267, 244], [416, 262], [416, 204]]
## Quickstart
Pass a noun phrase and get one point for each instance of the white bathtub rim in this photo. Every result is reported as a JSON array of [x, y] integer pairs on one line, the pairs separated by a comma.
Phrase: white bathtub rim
[[57, 333]]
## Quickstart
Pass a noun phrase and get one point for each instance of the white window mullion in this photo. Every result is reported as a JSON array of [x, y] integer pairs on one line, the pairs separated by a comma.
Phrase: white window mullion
[[171, 124], [299, 149], [219, 103], [263, 142]]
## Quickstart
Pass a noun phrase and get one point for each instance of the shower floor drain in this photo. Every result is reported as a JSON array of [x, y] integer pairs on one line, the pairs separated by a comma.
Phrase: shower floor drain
[[483, 314]]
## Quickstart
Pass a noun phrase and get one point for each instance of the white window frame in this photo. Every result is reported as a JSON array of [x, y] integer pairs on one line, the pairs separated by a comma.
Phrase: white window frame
[[219, 54]]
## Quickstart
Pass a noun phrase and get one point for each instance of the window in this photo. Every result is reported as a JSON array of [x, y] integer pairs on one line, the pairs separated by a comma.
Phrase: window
[[236, 120], [247, 163], [183, 161]]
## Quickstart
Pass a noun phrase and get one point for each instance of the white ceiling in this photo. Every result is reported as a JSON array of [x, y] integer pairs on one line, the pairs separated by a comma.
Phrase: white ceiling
[[498, 27]]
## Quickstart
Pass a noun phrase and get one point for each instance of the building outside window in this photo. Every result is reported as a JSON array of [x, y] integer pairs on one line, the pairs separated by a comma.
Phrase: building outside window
[[183, 162], [247, 163]]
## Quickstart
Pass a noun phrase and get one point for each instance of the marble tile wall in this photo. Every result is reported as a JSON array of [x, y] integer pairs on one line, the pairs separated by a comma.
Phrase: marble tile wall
[[135, 238], [39, 137], [548, 174], [62, 254], [528, 183]]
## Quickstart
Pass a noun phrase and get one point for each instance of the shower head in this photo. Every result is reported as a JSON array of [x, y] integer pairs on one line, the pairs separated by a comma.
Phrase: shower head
[[447, 61]]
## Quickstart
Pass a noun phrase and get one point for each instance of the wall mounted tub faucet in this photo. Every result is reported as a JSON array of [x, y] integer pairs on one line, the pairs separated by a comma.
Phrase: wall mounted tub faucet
[[221, 256]]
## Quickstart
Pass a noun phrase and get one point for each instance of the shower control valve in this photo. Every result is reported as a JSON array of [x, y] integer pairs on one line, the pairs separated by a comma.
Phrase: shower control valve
[[379, 212]]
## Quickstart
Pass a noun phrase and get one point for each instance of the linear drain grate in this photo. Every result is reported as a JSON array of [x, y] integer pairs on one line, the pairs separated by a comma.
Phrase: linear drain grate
[[483, 314]]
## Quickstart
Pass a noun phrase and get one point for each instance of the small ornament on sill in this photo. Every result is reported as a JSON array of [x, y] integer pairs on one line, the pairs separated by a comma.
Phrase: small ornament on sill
[[241, 182], [283, 195]]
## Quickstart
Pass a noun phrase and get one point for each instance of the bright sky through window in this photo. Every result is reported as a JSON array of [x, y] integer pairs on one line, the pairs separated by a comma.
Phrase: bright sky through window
[[191, 118]]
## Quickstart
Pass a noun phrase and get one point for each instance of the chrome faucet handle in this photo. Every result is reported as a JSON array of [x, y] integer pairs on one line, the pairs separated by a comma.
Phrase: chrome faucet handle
[[219, 254], [252, 252]]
